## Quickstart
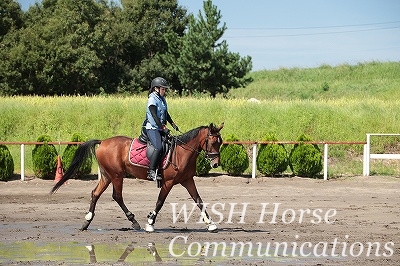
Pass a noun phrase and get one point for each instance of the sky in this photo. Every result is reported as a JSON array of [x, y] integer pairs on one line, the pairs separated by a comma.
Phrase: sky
[[306, 33]]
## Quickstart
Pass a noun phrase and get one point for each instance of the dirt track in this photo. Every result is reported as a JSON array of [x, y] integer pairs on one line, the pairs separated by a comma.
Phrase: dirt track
[[346, 214]]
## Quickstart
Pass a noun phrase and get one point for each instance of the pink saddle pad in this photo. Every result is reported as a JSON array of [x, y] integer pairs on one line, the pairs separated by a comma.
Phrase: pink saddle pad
[[137, 154]]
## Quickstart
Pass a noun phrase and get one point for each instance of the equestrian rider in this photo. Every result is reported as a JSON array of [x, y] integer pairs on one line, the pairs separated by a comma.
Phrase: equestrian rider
[[157, 117]]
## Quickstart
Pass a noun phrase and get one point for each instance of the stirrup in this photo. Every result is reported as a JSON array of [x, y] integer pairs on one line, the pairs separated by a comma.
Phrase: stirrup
[[152, 175]]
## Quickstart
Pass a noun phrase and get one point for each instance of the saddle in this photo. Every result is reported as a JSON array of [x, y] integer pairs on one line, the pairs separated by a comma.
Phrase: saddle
[[139, 147]]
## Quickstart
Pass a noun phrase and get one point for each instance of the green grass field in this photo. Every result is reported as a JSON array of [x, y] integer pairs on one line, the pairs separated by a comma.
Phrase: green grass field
[[327, 103]]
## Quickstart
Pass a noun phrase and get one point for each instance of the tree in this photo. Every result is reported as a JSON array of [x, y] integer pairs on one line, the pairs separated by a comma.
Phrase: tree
[[95, 46], [10, 16], [66, 47], [203, 64], [54, 53], [151, 20], [11, 20]]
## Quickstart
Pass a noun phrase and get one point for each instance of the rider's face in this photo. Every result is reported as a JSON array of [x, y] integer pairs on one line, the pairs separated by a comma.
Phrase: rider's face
[[161, 91]]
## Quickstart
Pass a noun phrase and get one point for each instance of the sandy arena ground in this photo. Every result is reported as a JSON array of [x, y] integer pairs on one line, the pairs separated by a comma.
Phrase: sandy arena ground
[[346, 214]]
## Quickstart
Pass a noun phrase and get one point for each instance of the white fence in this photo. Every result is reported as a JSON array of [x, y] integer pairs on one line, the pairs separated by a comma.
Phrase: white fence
[[368, 156], [325, 154]]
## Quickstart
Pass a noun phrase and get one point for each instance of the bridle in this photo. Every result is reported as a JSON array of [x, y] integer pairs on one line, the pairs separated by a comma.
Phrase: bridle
[[208, 154]]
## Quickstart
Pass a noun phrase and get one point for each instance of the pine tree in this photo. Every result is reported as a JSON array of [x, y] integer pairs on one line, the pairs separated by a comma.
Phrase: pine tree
[[202, 62]]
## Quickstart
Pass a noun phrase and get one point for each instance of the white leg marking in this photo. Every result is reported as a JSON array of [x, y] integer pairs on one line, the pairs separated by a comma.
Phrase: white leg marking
[[89, 216]]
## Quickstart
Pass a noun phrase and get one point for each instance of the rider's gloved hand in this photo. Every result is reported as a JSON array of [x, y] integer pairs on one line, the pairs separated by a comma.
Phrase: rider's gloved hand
[[175, 126], [166, 131]]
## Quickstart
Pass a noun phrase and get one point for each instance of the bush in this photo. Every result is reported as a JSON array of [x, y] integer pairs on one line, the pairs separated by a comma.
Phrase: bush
[[69, 153], [203, 166], [44, 158], [234, 158], [6, 163], [305, 159], [272, 159]]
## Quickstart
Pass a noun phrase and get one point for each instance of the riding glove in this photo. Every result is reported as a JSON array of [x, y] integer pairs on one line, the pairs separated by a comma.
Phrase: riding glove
[[166, 131]]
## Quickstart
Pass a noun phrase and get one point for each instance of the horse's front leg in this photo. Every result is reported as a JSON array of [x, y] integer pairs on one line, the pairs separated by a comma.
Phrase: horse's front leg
[[151, 218], [191, 188], [127, 251]]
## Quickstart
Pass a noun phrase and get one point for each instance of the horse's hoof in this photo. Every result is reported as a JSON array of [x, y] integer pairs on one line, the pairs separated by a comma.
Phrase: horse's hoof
[[88, 219], [136, 225], [85, 225], [149, 228], [212, 228]]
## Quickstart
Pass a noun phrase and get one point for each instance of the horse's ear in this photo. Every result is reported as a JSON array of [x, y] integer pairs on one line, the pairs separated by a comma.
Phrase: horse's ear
[[217, 129]]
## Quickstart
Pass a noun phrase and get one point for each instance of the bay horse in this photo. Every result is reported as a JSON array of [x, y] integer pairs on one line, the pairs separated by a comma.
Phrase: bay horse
[[112, 157]]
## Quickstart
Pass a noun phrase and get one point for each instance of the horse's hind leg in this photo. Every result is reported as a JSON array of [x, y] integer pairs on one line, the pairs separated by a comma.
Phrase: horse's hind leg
[[117, 196], [96, 193]]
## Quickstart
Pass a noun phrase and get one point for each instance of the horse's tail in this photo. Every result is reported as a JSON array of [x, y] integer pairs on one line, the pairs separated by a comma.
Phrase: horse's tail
[[84, 150]]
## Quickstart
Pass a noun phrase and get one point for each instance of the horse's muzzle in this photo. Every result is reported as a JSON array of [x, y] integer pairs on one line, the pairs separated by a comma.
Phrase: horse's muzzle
[[214, 165], [214, 159], [214, 162]]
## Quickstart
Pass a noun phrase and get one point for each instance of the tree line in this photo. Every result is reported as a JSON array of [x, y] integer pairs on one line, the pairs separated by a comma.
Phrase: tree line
[[90, 47]]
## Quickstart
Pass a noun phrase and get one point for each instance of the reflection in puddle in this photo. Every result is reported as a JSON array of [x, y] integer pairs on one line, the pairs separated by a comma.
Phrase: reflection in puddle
[[132, 253], [78, 253], [128, 250]]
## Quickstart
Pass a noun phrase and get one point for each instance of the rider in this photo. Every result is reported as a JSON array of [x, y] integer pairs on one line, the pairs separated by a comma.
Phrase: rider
[[157, 117]]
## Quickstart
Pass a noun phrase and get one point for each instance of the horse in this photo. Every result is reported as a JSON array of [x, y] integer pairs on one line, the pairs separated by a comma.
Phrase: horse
[[112, 157]]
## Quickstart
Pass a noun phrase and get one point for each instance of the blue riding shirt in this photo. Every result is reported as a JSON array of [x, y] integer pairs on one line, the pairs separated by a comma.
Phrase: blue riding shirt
[[161, 104]]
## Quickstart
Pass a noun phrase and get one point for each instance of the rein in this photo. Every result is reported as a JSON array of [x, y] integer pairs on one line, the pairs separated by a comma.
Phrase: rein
[[209, 155]]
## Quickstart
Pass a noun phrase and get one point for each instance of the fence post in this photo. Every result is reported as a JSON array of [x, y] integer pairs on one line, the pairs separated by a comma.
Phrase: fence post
[[253, 171], [325, 161], [22, 162], [365, 160], [366, 155]]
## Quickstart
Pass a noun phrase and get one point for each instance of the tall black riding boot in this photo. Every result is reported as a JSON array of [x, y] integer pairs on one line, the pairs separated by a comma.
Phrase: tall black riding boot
[[154, 162]]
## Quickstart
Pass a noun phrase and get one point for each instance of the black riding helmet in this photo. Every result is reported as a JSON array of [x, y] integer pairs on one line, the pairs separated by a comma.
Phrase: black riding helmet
[[159, 82]]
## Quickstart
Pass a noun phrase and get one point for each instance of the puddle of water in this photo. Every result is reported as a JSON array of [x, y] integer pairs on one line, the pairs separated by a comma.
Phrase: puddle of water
[[76, 253], [131, 253]]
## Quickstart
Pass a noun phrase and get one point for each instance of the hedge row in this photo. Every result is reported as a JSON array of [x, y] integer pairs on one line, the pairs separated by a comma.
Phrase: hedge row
[[44, 159], [304, 160]]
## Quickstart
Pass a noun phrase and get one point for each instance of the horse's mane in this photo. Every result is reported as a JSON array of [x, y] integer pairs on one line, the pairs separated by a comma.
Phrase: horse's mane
[[186, 137]]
